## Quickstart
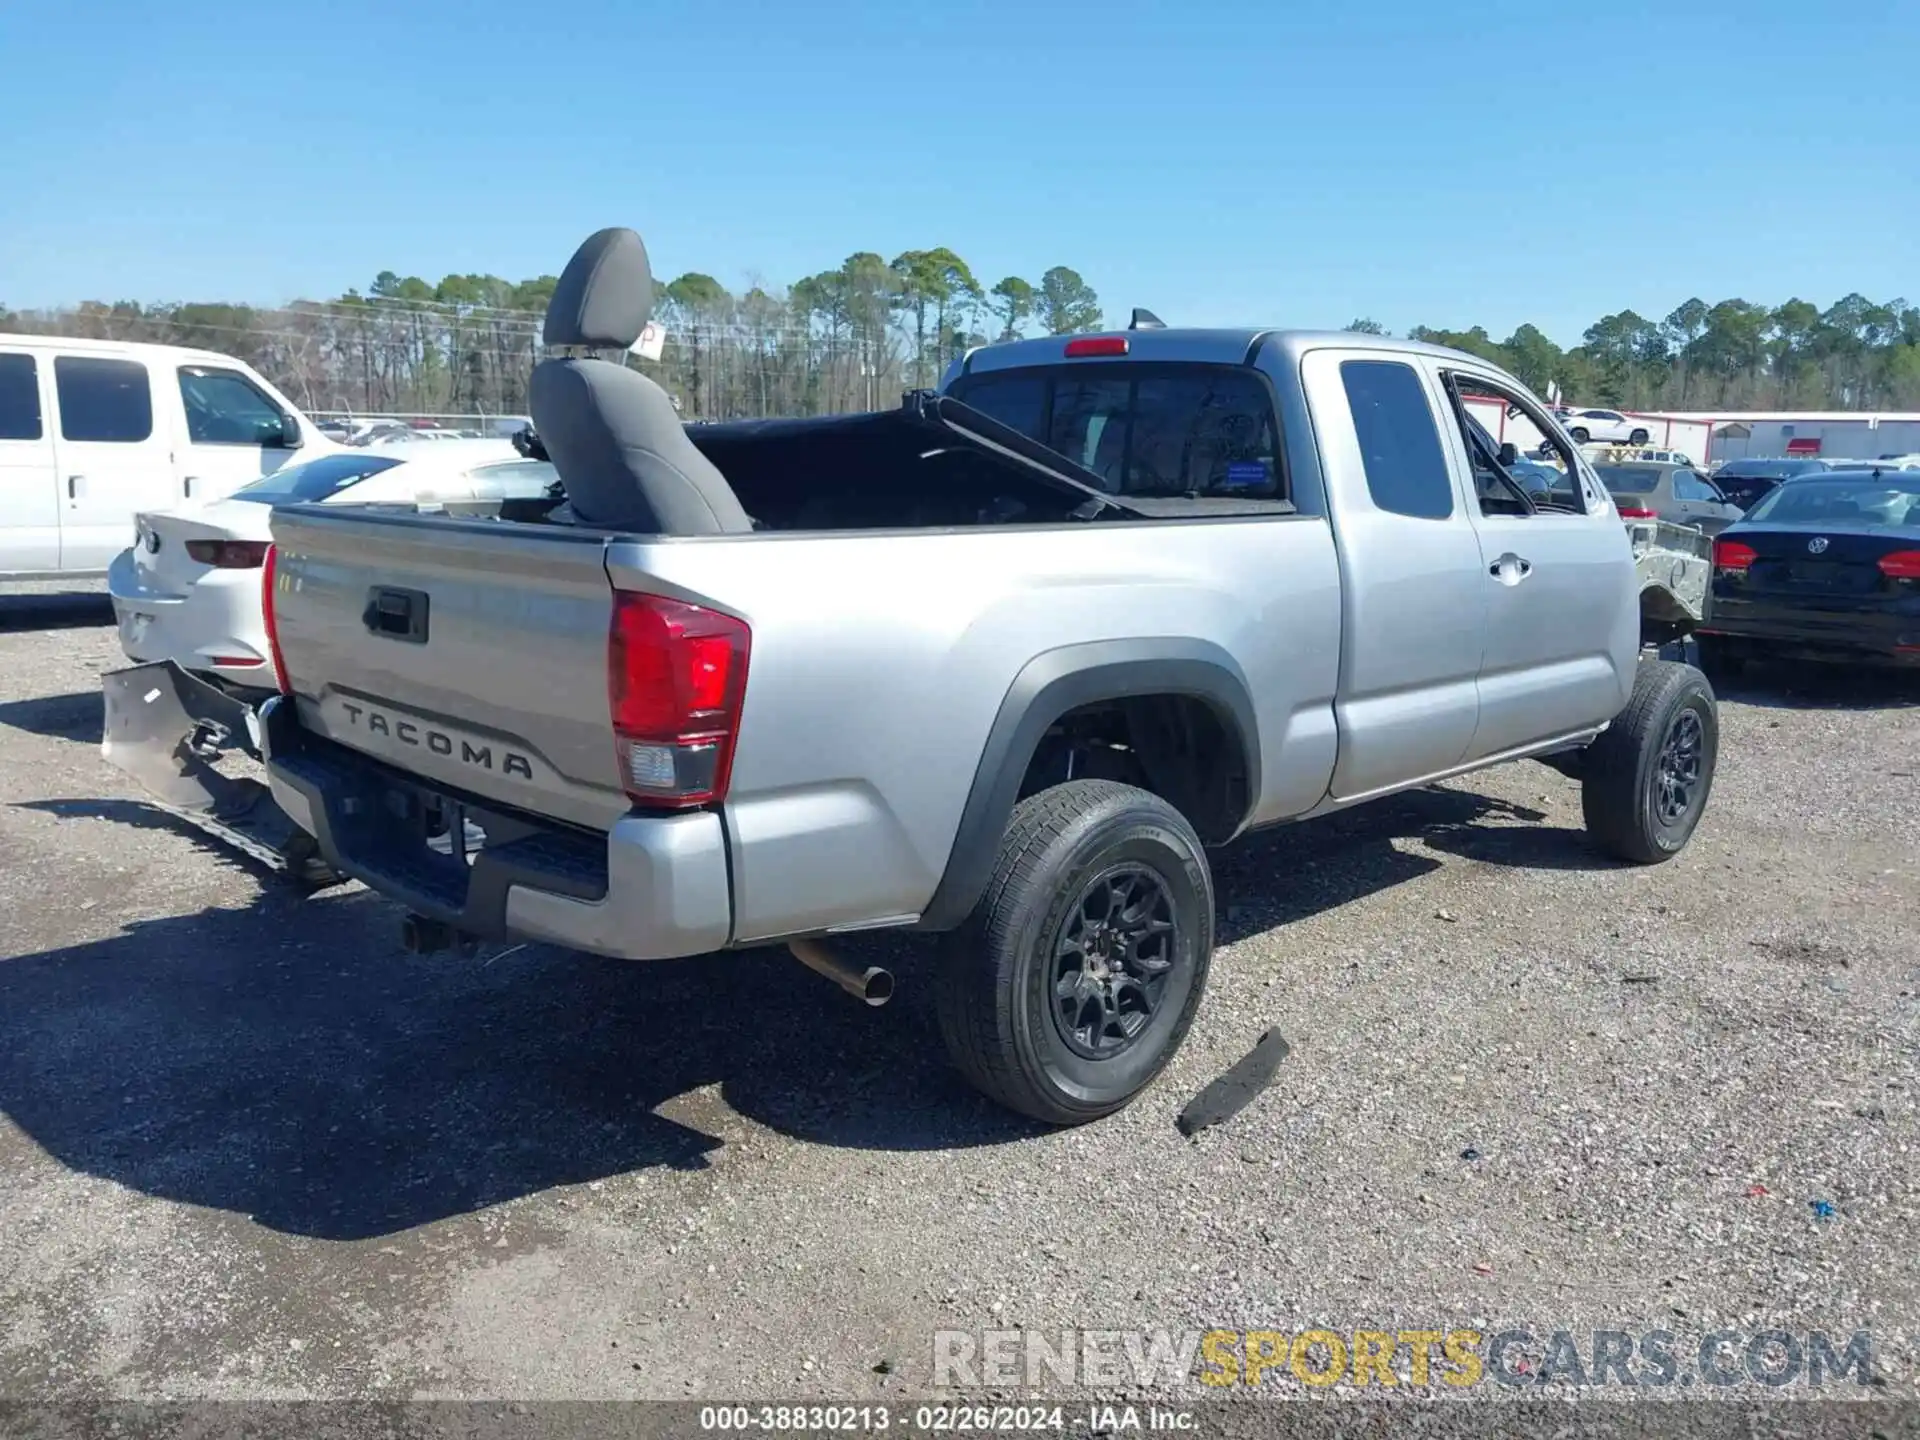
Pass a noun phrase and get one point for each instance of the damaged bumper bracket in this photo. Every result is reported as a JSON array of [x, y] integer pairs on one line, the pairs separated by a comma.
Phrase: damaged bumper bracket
[[184, 740]]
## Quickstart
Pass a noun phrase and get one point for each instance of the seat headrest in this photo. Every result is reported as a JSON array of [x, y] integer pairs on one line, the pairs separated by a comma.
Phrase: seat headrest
[[605, 294]]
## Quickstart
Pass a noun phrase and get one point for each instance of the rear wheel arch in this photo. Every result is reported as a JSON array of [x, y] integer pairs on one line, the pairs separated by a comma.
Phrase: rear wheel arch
[[1074, 678]]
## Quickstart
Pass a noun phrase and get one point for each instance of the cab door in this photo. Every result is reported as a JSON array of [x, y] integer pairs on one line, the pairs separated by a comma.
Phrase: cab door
[[112, 458], [29, 493], [1414, 597], [1562, 616]]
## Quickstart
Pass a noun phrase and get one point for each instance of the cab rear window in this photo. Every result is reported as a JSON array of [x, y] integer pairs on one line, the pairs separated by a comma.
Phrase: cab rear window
[[1144, 429]]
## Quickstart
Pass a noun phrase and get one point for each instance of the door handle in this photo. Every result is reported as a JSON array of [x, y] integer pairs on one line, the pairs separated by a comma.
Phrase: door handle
[[186, 486], [76, 486], [1510, 569]]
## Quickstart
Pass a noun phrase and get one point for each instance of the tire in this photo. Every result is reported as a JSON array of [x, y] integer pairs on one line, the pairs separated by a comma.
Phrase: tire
[[1637, 437], [1005, 1024], [1580, 434], [1628, 790]]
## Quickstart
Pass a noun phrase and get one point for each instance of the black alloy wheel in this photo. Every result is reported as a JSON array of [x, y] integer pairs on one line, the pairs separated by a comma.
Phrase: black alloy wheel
[[1677, 775], [1111, 958]]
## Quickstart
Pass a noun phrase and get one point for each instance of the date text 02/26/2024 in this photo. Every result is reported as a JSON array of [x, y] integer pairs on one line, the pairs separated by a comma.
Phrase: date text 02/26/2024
[[940, 1419]]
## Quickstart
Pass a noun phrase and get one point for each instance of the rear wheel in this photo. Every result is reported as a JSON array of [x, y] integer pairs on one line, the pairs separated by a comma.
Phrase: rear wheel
[[1638, 437], [1075, 979], [1646, 779], [1580, 434]]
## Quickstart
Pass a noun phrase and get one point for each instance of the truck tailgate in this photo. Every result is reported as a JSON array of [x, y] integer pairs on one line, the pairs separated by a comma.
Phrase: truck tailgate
[[472, 654]]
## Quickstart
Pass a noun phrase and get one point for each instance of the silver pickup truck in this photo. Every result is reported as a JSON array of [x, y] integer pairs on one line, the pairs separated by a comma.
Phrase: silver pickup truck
[[1002, 665]]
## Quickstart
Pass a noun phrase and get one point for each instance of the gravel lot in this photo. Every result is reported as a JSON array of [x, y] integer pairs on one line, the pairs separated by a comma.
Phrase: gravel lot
[[248, 1148]]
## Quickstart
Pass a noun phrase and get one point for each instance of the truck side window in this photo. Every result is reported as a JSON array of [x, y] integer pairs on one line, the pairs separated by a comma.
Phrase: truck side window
[[103, 400], [1539, 475], [1399, 443], [19, 398]]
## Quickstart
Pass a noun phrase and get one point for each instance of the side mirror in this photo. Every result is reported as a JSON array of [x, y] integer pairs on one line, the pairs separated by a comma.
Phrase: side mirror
[[1509, 454], [290, 436]]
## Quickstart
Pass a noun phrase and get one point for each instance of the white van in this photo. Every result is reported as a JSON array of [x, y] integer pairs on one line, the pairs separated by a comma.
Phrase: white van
[[93, 430]]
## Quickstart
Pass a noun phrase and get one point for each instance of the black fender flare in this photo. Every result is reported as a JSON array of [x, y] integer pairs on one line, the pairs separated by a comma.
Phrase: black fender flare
[[1047, 687]]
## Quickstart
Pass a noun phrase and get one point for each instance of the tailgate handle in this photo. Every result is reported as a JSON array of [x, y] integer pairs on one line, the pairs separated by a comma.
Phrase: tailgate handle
[[397, 614]]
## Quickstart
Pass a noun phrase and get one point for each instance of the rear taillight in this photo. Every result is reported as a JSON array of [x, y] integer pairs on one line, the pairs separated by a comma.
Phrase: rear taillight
[[229, 554], [676, 676], [268, 575], [1732, 555], [1636, 512], [1096, 345], [1901, 565]]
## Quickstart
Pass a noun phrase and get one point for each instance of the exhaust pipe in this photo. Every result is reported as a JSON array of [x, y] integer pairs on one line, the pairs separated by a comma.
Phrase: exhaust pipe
[[421, 935], [872, 985]]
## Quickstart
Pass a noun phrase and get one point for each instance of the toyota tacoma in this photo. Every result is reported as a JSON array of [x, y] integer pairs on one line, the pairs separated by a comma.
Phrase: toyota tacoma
[[1003, 664]]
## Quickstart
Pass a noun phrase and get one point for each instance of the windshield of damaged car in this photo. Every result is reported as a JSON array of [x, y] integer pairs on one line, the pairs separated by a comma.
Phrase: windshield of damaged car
[[1630, 479], [315, 480]]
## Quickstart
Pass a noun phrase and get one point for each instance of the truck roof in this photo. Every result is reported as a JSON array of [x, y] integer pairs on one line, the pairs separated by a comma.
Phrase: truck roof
[[1221, 346]]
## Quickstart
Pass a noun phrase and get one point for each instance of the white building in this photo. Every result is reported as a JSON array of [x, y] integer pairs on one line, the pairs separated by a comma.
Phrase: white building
[[1828, 434]]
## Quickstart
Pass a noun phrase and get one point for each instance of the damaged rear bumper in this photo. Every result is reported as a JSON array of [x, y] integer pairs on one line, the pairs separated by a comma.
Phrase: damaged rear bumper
[[654, 887], [190, 744]]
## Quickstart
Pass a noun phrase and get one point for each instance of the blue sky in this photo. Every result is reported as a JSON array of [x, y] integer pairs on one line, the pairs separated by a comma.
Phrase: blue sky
[[1259, 161]]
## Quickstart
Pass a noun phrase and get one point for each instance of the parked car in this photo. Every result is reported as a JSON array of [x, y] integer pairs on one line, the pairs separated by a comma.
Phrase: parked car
[[188, 590], [423, 433], [1660, 457], [1826, 567], [1605, 425], [1745, 481], [92, 431], [1001, 664], [1677, 494]]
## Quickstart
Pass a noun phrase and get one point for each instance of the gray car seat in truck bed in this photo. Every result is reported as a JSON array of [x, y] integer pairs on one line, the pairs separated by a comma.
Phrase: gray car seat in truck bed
[[612, 434]]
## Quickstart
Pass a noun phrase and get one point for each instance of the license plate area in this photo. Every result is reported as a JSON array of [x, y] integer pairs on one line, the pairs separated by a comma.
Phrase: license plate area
[[430, 838], [1830, 577], [446, 854]]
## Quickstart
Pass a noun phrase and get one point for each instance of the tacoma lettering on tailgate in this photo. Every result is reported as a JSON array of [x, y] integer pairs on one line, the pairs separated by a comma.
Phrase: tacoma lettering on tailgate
[[420, 734]]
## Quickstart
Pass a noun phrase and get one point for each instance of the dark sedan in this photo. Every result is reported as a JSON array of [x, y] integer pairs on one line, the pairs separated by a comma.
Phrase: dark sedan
[[1826, 568]]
